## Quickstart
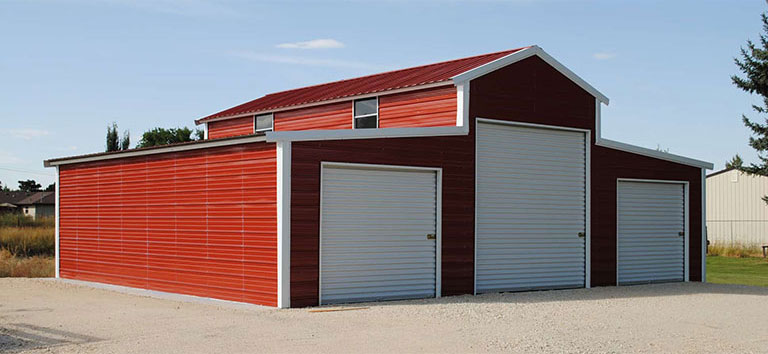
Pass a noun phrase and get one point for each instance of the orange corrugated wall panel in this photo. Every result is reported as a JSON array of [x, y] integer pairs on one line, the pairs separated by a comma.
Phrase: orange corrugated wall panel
[[329, 116], [230, 127], [200, 222], [434, 107]]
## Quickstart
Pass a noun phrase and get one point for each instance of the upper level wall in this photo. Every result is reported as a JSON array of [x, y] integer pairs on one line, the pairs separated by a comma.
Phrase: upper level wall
[[230, 127], [431, 107], [328, 116]]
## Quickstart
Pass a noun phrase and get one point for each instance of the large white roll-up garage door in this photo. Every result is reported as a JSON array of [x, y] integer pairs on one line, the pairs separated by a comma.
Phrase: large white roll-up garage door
[[378, 233], [651, 232], [531, 208]]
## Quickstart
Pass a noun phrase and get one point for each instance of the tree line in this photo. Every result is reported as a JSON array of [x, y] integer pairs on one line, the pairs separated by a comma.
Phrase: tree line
[[153, 137], [29, 185]]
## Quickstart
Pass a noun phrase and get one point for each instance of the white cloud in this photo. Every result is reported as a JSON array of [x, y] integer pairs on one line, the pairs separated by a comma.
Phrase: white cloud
[[298, 60], [26, 134], [325, 43], [604, 55]]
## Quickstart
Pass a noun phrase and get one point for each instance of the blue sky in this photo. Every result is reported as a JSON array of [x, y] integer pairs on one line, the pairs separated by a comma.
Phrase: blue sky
[[70, 67]]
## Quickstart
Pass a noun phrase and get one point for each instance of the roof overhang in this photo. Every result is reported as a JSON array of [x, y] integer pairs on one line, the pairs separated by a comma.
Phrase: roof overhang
[[527, 53], [616, 145], [196, 145]]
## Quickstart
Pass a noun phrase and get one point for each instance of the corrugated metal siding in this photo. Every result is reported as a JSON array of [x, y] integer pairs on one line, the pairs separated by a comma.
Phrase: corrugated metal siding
[[531, 207], [374, 234], [410, 77], [230, 127], [426, 108], [331, 116], [201, 222], [736, 213], [650, 218]]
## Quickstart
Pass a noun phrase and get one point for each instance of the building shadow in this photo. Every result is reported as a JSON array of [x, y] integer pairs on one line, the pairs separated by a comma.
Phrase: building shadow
[[576, 295], [18, 337]]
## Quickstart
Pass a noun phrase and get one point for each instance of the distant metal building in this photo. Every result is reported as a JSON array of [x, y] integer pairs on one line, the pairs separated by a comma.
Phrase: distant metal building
[[736, 213]]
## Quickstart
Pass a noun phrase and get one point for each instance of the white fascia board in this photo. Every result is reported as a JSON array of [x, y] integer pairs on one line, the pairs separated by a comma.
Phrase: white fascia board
[[523, 54], [154, 151], [653, 153], [350, 134]]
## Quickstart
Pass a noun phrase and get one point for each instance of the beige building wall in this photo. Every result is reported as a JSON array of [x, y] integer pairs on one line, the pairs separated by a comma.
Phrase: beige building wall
[[736, 213]]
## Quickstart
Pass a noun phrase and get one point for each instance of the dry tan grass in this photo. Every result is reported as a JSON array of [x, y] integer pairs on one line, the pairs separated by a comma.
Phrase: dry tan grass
[[27, 267], [735, 250], [28, 241]]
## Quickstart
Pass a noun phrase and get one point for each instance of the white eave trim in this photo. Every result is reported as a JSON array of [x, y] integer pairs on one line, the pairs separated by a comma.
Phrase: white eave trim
[[161, 150], [349, 134], [326, 102], [523, 54], [612, 144]]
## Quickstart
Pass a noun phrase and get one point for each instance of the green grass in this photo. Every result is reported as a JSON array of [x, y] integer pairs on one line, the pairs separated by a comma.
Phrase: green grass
[[732, 270]]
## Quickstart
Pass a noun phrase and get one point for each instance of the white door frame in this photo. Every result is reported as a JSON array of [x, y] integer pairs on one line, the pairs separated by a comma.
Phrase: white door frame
[[686, 218], [587, 187], [438, 216]]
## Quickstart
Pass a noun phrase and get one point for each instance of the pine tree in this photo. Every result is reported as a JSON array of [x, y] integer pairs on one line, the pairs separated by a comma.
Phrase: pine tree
[[735, 163], [112, 138], [125, 143], [754, 65]]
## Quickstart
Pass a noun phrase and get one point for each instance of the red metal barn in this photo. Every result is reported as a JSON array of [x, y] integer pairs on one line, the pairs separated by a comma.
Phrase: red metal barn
[[481, 174]]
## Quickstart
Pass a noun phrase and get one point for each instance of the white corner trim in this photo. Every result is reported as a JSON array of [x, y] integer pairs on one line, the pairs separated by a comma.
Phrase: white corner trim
[[523, 54], [653, 153], [205, 131], [284, 224], [462, 105], [154, 151], [703, 225], [57, 207], [348, 134]]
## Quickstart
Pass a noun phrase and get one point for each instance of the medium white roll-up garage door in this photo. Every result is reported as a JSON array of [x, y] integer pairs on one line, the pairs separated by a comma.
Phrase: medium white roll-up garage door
[[651, 232], [378, 233], [531, 208]]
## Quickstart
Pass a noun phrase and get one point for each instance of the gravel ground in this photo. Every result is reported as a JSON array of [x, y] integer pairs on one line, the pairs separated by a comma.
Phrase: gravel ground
[[48, 316]]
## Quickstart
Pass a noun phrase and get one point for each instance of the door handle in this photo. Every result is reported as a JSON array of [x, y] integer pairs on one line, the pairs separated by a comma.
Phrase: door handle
[[681, 233], [582, 234], [431, 236]]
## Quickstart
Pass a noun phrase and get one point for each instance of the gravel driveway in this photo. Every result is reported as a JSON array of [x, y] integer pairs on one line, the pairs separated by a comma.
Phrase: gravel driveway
[[44, 315]]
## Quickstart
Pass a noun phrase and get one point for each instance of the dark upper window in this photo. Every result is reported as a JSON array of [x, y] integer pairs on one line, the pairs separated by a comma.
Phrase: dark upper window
[[366, 113], [263, 122]]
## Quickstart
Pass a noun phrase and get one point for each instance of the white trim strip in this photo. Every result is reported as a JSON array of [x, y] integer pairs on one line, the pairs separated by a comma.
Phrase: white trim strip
[[523, 54], [284, 224], [703, 226], [161, 150], [348, 134], [57, 207], [337, 100], [653, 153]]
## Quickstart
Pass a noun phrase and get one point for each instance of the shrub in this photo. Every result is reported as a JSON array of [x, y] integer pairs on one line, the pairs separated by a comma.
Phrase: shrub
[[28, 241], [734, 250], [30, 267], [20, 220]]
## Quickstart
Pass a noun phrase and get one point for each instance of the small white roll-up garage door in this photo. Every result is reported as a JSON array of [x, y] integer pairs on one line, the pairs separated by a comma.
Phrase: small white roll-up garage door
[[651, 232], [531, 208], [378, 233]]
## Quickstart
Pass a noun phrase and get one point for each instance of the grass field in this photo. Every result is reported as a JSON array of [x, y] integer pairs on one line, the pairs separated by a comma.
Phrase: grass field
[[732, 270], [26, 246]]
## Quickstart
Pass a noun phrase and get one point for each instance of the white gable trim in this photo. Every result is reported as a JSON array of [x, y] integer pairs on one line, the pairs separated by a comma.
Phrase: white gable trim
[[526, 53]]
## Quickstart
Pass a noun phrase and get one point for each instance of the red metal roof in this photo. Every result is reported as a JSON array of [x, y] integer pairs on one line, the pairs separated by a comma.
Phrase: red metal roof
[[398, 79]]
